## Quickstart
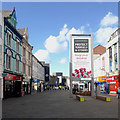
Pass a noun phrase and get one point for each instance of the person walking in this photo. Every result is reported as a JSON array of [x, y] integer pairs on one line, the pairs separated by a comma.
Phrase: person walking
[[118, 92]]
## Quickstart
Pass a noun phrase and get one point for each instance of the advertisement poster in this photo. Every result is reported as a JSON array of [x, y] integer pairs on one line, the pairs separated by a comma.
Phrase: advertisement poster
[[81, 57]]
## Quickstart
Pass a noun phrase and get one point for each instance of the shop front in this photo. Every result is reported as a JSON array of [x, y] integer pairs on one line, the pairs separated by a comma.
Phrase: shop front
[[26, 86], [12, 86], [113, 83], [103, 84]]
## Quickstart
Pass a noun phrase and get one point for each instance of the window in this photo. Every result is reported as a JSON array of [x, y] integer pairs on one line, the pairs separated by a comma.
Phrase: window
[[24, 51], [8, 62], [29, 70], [29, 55], [115, 56], [9, 37], [24, 69], [17, 65], [110, 52], [103, 63], [110, 66], [0, 31], [17, 46]]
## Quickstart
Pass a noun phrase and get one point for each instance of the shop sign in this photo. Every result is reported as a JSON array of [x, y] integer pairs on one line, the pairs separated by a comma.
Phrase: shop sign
[[112, 78], [18, 78], [81, 57], [112, 82], [10, 77]]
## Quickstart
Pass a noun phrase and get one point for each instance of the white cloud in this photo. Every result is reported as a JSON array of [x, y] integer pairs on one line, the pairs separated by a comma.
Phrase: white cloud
[[42, 55], [108, 25], [109, 20], [62, 34], [55, 44], [73, 31], [63, 60], [103, 34]]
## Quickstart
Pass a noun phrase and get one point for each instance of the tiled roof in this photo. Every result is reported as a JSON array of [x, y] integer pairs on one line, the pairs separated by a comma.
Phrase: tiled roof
[[6, 13], [99, 50]]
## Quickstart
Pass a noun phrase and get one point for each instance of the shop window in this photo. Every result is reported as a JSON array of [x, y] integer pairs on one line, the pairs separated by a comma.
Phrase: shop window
[[8, 62], [9, 37]]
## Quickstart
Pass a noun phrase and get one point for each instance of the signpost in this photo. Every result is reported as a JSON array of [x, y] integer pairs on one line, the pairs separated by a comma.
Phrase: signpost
[[81, 59]]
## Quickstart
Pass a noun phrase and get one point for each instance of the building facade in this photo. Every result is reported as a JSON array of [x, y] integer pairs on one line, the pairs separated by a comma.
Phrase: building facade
[[26, 60], [38, 74], [12, 83], [59, 75], [113, 62], [1, 53]]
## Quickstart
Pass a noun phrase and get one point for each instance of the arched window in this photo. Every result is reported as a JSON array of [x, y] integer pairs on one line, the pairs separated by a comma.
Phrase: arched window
[[17, 63], [9, 39], [8, 59]]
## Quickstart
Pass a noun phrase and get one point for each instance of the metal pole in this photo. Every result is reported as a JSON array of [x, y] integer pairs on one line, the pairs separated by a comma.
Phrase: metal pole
[[92, 82], [70, 58]]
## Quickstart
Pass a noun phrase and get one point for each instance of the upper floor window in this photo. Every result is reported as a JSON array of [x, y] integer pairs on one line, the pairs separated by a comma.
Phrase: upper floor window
[[24, 51], [8, 62], [9, 37], [29, 55], [24, 68], [29, 70], [0, 31], [110, 66], [17, 65], [110, 52], [115, 48], [17, 45]]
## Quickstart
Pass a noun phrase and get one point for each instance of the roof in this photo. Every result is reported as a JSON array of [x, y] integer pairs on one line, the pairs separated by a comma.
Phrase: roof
[[99, 50], [21, 31], [6, 13]]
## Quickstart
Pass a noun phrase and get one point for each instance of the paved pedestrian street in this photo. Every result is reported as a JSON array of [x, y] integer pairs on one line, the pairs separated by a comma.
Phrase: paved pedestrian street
[[58, 104]]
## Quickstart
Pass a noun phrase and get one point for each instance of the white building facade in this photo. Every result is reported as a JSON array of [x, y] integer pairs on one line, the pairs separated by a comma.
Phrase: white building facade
[[112, 51], [99, 66], [38, 74]]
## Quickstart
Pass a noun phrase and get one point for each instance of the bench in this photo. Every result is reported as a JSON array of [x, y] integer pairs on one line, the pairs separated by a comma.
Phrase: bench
[[104, 98], [85, 93], [80, 98]]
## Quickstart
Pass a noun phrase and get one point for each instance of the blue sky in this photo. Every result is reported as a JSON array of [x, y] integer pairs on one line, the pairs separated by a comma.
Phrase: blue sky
[[49, 25]]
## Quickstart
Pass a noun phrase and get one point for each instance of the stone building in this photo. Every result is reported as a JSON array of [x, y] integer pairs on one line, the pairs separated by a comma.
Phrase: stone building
[[26, 60]]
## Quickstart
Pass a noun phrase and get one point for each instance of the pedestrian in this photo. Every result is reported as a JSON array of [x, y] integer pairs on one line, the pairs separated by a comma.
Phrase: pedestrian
[[118, 92]]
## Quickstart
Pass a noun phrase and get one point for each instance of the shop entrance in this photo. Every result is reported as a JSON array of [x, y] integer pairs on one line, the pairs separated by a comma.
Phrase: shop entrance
[[12, 88]]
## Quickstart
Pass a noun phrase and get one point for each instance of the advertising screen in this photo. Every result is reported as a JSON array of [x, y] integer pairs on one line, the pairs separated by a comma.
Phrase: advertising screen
[[81, 57]]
